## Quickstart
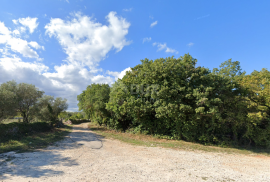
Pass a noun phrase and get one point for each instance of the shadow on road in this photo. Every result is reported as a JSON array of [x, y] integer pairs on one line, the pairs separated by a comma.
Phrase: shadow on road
[[45, 162]]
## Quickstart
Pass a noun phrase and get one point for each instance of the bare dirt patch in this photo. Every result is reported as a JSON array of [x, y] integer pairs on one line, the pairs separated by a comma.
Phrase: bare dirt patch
[[86, 156]]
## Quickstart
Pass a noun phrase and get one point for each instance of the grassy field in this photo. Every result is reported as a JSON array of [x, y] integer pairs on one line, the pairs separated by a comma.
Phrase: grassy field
[[34, 141], [151, 141]]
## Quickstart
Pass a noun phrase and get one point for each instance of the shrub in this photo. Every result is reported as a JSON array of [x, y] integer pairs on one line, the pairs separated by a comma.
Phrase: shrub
[[17, 130]]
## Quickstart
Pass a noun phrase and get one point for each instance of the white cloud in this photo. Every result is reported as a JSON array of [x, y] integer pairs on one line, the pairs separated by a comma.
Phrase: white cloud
[[30, 23], [36, 45], [67, 81], [129, 9], [153, 24], [3, 29], [171, 50], [119, 75], [164, 47], [160, 46], [87, 41], [16, 32], [15, 63], [15, 22], [190, 44], [15, 44], [67, 1], [22, 29], [146, 39]]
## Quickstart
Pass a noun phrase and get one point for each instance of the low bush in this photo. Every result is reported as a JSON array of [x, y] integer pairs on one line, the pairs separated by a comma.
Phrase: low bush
[[14, 130], [78, 121]]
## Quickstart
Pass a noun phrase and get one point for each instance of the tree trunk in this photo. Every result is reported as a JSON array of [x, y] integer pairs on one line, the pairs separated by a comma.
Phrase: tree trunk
[[25, 118]]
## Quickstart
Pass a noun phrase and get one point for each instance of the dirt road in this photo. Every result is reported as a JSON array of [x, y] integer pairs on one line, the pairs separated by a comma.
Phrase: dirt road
[[85, 156]]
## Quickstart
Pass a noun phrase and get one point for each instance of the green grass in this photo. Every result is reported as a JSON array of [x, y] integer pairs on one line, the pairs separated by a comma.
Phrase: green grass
[[151, 141], [35, 140]]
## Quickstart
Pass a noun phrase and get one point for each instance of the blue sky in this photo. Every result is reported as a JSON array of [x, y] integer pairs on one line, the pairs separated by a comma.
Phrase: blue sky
[[61, 46]]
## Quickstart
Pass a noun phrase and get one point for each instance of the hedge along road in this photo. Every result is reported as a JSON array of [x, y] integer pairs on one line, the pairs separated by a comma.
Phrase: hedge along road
[[86, 156]]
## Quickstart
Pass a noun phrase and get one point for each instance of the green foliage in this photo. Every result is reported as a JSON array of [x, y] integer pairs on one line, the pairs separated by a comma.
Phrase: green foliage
[[175, 98], [76, 116], [8, 100], [93, 102], [258, 104], [24, 137], [29, 102], [14, 131], [27, 95], [48, 108]]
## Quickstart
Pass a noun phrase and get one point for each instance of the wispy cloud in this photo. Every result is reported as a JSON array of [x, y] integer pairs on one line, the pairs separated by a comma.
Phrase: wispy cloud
[[127, 9], [201, 17], [154, 24], [146, 39], [151, 17], [164, 47], [190, 44], [171, 50], [28, 22], [67, 1]]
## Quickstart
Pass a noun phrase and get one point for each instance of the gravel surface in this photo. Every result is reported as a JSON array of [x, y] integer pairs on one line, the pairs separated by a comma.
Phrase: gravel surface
[[85, 156]]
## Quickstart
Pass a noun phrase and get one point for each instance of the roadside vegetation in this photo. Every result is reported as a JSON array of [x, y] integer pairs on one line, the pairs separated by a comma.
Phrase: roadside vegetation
[[176, 99], [147, 140], [25, 138], [38, 123]]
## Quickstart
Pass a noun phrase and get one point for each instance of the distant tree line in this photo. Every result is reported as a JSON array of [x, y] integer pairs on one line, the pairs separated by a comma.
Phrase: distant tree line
[[174, 97], [29, 102], [71, 115]]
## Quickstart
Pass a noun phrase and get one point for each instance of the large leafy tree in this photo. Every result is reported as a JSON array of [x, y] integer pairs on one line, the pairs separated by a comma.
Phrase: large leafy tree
[[93, 102], [48, 108], [174, 97], [118, 107], [230, 69], [8, 101], [258, 104], [27, 96], [177, 98], [234, 107]]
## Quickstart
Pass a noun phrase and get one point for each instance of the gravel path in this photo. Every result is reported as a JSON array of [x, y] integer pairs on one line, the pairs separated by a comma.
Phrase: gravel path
[[85, 156]]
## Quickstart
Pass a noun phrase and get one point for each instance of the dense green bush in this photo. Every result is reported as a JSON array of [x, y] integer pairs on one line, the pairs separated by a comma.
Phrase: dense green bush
[[78, 121], [93, 102], [176, 98]]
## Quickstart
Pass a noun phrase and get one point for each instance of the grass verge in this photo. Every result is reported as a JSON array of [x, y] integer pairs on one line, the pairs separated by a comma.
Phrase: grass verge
[[151, 141], [36, 140]]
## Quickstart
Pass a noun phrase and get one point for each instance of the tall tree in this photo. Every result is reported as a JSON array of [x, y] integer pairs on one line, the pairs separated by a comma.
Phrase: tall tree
[[93, 102], [27, 96], [8, 100], [48, 108], [230, 69], [258, 104]]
